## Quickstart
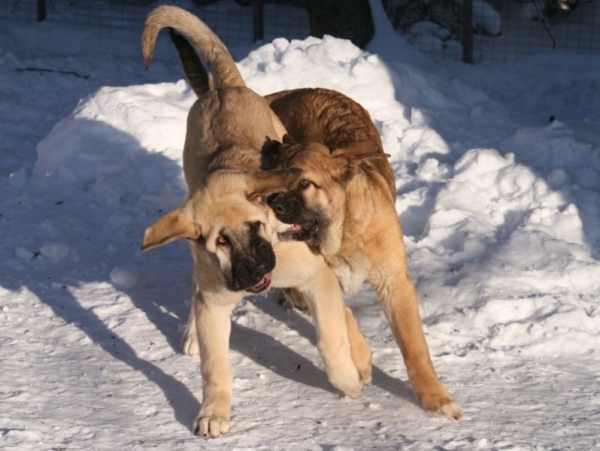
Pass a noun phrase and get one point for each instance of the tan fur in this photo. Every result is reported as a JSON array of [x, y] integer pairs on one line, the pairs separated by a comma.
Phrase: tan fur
[[227, 127], [365, 242]]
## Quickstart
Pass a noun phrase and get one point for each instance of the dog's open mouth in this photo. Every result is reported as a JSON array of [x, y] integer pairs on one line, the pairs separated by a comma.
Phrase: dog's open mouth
[[301, 232], [262, 284]]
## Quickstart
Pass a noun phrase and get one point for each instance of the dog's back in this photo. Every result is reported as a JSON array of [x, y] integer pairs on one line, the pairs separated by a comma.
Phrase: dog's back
[[229, 124], [333, 119]]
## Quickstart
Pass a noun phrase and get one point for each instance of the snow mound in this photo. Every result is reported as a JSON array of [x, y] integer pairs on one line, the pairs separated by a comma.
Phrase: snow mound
[[121, 145]]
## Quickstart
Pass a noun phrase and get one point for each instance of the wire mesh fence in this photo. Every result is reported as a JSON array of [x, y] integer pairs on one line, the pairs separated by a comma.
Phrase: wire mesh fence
[[233, 21], [500, 29]]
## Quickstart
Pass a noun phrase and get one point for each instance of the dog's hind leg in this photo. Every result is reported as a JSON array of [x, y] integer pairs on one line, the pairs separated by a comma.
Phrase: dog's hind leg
[[189, 339]]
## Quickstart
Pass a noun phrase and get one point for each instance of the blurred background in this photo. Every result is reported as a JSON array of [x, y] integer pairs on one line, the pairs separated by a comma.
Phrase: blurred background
[[498, 30]]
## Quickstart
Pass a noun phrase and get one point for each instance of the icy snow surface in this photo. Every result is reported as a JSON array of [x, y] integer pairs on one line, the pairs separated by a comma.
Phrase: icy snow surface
[[501, 214]]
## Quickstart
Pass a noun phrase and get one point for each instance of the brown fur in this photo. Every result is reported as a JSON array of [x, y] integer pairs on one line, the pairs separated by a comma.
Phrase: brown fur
[[224, 218], [363, 240]]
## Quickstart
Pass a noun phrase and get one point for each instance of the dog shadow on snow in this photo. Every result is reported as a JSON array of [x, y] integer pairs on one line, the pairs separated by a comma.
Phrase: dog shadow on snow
[[301, 324], [110, 236]]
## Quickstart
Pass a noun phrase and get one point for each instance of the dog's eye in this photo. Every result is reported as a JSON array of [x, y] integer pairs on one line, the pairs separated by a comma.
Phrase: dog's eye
[[222, 240], [304, 184]]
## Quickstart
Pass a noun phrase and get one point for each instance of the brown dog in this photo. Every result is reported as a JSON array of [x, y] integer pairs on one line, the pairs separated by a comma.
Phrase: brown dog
[[347, 213], [344, 209], [232, 233]]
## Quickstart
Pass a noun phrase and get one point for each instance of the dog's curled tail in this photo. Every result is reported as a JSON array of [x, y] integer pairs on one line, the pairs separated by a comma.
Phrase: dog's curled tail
[[224, 71]]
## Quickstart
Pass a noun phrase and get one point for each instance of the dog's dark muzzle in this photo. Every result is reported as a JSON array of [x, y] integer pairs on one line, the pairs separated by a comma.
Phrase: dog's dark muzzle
[[286, 206], [251, 271]]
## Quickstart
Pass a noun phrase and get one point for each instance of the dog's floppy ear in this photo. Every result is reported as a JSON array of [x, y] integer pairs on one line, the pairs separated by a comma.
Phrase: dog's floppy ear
[[347, 159], [264, 183], [175, 225]]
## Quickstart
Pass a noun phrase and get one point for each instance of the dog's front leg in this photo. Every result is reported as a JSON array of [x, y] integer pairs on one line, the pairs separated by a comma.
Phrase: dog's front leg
[[359, 348], [213, 325], [324, 299], [321, 291], [398, 298]]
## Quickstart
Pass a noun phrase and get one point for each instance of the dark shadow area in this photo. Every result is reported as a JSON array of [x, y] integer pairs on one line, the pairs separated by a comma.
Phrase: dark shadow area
[[301, 324], [180, 398], [80, 216], [276, 357]]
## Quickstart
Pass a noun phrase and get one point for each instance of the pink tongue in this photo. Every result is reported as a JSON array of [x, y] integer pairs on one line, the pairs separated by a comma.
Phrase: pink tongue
[[295, 228], [266, 279]]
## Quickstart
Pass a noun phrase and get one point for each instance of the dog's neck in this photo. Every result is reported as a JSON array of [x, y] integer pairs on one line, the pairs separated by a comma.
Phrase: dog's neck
[[345, 250], [331, 244]]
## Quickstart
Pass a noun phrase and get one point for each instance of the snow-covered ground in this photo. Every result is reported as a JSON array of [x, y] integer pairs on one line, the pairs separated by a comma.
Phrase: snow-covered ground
[[501, 210]]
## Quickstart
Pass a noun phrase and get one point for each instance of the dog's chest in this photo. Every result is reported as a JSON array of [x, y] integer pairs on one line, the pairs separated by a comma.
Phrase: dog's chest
[[351, 269]]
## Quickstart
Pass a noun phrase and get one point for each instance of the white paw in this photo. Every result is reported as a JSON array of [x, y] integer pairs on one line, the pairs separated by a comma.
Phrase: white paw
[[349, 384], [450, 410], [210, 426]]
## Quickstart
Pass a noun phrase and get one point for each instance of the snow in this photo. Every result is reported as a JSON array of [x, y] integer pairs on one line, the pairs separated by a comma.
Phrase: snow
[[501, 212]]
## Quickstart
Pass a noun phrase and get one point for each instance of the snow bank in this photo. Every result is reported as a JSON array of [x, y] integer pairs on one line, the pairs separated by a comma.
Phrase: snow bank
[[122, 146]]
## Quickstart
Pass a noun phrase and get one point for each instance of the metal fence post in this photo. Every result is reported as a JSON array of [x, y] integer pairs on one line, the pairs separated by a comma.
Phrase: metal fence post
[[467, 32], [41, 10], [258, 20]]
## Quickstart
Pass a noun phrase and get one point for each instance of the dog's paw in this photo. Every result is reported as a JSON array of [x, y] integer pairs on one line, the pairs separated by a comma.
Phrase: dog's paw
[[365, 371], [210, 426], [450, 410], [446, 408], [349, 384], [291, 300], [189, 342], [362, 357], [442, 405]]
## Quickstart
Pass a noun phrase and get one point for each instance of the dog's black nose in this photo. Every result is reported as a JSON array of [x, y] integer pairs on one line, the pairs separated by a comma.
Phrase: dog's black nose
[[279, 208], [277, 203]]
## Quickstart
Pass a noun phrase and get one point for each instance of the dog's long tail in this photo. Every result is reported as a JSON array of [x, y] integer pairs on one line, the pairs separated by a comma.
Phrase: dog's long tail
[[224, 71], [193, 68]]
